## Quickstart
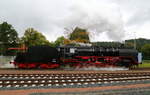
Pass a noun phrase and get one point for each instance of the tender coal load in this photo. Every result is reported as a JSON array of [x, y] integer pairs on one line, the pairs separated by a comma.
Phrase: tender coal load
[[42, 54], [38, 54]]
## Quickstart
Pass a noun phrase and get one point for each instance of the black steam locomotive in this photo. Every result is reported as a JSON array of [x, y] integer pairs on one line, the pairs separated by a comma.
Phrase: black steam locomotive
[[76, 56]]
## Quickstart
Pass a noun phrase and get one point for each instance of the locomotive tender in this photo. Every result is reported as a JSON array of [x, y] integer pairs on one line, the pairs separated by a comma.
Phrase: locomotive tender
[[76, 57]]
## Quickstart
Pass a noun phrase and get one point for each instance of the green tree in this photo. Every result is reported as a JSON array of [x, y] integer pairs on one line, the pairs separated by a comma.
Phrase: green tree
[[79, 35], [33, 37], [8, 38], [139, 43], [146, 51], [59, 41]]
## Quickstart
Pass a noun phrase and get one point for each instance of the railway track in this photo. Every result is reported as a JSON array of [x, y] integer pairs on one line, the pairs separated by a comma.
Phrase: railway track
[[70, 79]]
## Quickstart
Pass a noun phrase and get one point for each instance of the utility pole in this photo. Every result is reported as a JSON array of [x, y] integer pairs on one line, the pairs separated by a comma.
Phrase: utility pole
[[1, 48], [134, 40]]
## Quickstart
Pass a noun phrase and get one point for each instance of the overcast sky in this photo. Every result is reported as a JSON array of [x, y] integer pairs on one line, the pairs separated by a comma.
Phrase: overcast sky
[[106, 20]]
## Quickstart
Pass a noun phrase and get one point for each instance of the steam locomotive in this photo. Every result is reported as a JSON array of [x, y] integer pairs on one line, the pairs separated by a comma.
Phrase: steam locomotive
[[76, 57]]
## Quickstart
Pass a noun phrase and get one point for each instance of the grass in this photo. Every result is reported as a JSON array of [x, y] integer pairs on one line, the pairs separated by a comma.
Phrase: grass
[[145, 64]]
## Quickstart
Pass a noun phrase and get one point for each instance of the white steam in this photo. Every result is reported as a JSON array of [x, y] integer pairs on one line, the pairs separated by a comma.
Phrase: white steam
[[7, 65], [96, 17], [5, 61], [109, 68], [103, 68]]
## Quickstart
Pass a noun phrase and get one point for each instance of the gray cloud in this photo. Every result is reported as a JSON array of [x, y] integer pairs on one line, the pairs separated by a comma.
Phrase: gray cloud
[[137, 10], [140, 17], [40, 15]]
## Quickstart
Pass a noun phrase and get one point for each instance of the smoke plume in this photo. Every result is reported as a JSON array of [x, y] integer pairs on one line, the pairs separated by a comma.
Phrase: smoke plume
[[96, 17]]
